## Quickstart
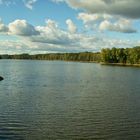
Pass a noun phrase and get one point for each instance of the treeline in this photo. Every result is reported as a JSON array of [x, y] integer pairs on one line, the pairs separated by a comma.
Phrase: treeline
[[114, 55], [121, 55], [83, 56]]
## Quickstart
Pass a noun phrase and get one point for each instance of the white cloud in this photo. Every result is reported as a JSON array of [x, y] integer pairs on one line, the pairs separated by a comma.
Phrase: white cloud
[[51, 24], [86, 17], [50, 38], [91, 20], [3, 28], [111, 15], [51, 34], [126, 8], [22, 28], [107, 22], [58, 40], [11, 47], [122, 25], [29, 3], [80, 43], [71, 26]]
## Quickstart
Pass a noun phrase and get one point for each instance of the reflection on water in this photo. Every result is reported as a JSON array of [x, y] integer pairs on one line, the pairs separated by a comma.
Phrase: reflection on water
[[42, 100]]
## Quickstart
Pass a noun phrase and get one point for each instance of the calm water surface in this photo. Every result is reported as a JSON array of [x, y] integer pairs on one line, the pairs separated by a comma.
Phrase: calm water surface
[[48, 100]]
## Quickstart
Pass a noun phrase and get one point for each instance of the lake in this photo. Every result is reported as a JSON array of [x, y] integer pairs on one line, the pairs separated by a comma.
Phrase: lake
[[41, 100]]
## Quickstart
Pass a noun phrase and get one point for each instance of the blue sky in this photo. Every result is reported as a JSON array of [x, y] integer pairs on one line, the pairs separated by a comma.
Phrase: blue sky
[[49, 26]]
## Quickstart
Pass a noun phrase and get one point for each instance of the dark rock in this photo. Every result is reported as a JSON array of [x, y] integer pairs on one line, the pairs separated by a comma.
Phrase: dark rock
[[1, 78]]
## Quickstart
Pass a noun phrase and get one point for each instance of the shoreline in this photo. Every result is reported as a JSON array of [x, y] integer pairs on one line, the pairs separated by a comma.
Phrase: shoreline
[[101, 63], [121, 64]]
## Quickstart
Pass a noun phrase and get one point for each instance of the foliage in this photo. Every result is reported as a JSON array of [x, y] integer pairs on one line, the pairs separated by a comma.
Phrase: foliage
[[121, 55], [114, 55], [84, 56]]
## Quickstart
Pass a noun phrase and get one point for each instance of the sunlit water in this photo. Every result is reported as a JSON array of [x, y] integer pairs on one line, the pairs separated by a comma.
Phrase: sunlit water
[[41, 100]]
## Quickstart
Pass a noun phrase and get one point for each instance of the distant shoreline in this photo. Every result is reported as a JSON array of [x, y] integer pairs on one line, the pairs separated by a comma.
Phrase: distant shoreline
[[101, 63], [121, 64], [114, 56]]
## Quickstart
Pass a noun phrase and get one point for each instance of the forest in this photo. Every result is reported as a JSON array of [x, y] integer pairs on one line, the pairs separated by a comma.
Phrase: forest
[[107, 55], [121, 55]]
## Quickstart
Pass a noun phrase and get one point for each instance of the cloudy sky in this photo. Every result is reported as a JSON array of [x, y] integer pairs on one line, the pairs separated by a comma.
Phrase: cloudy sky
[[45, 26]]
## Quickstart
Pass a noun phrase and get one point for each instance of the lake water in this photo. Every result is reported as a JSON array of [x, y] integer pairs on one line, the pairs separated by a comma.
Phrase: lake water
[[41, 100]]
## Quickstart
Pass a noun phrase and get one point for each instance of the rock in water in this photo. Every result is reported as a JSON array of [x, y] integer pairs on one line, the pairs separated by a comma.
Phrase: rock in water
[[1, 78]]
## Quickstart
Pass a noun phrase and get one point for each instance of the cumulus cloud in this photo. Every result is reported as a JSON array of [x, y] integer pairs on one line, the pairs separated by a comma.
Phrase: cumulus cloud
[[126, 8], [123, 25], [63, 41], [111, 15], [22, 28], [51, 24], [51, 34], [86, 17], [71, 26], [91, 20], [80, 43], [3, 28], [106, 11], [107, 22], [51, 38]]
